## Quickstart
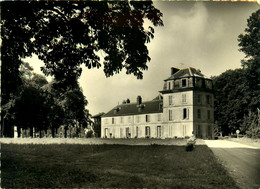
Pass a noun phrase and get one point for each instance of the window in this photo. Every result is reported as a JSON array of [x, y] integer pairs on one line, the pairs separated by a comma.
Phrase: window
[[170, 130], [113, 120], [183, 98], [106, 132], [159, 117], [170, 115], [208, 114], [129, 119], [170, 100], [169, 85], [121, 119], [199, 113], [199, 98], [184, 82], [208, 99], [185, 113], [147, 131], [137, 119], [209, 131], [147, 118], [198, 131], [159, 131], [136, 132]]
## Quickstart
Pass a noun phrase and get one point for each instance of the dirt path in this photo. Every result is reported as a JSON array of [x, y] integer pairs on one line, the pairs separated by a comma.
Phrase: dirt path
[[242, 161]]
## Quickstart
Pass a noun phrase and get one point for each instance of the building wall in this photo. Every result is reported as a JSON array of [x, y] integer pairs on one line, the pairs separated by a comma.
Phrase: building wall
[[203, 114], [178, 125], [134, 125], [184, 112]]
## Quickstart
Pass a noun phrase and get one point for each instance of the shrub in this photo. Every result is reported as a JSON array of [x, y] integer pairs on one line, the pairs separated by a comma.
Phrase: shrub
[[89, 134], [189, 146], [251, 125]]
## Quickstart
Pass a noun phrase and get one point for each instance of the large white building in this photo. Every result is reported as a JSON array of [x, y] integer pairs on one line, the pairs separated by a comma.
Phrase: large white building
[[185, 105]]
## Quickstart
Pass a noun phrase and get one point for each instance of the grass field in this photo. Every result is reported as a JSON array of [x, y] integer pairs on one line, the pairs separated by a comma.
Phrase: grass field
[[110, 166]]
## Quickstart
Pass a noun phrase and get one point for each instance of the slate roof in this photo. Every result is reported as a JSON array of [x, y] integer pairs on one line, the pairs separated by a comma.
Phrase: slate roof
[[146, 107], [98, 115], [186, 72]]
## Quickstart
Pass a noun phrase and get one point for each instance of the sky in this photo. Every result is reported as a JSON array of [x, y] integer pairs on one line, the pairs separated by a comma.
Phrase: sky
[[195, 34]]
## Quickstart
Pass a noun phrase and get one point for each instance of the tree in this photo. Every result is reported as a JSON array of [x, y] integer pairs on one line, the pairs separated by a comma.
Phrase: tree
[[67, 34], [251, 124], [249, 44], [232, 99], [74, 103]]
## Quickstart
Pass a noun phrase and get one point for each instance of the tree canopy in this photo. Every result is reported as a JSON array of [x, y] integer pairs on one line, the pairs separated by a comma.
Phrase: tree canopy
[[67, 34], [237, 92], [249, 43]]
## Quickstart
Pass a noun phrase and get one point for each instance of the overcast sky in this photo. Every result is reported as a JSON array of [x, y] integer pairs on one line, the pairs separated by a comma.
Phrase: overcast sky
[[197, 34]]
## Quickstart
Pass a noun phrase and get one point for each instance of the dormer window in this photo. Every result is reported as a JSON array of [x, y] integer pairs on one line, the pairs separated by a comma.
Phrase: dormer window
[[183, 82]]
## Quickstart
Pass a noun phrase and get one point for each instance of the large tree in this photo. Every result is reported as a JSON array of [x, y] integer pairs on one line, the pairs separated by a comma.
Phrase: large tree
[[65, 35], [249, 43], [237, 92], [232, 99]]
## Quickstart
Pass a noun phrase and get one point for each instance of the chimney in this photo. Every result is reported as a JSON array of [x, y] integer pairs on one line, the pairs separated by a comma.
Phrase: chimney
[[174, 70], [139, 100]]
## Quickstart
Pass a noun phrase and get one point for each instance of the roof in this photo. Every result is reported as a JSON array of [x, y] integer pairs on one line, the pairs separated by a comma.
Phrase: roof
[[135, 109], [98, 115], [186, 72]]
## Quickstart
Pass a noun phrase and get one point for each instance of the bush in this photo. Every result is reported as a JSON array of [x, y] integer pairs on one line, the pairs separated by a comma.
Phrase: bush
[[189, 146], [251, 125], [89, 134]]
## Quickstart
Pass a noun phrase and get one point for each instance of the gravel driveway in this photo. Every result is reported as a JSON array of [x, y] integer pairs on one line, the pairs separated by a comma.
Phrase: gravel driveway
[[241, 160]]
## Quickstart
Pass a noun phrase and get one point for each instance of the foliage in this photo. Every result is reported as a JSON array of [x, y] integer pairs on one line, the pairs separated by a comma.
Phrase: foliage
[[230, 101], [97, 129], [40, 105], [237, 92], [251, 125], [67, 34], [89, 134], [249, 44]]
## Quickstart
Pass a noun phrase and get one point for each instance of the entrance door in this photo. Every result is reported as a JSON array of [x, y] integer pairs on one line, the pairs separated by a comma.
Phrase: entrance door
[[159, 131]]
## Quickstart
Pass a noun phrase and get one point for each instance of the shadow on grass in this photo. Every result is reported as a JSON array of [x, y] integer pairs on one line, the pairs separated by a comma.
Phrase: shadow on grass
[[113, 166]]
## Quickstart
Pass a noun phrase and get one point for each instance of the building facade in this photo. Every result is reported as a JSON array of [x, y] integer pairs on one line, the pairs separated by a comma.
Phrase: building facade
[[184, 106]]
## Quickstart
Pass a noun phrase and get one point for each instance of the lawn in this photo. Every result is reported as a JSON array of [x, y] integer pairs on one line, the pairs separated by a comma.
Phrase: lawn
[[110, 166]]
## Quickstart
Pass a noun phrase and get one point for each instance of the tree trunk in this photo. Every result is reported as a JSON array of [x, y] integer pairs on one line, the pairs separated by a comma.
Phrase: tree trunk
[[53, 132], [65, 132], [31, 132], [40, 134]]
